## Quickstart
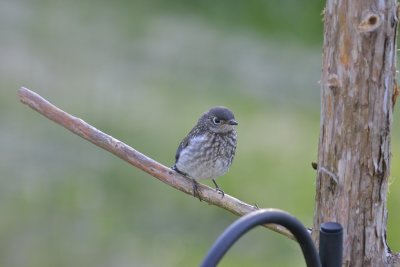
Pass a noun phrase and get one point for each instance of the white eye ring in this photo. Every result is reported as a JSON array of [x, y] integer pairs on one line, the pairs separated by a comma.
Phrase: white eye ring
[[216, 121]]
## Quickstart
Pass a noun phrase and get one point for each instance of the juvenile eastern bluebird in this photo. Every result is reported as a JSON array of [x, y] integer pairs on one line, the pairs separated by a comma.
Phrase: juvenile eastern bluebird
[[208, 150]]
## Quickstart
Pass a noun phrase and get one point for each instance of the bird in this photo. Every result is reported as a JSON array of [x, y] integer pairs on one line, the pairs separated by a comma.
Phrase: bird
[[208, 149]]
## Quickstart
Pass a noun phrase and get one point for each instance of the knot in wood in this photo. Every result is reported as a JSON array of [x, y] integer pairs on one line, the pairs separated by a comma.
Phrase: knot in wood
[[333, 82], [370, 22]]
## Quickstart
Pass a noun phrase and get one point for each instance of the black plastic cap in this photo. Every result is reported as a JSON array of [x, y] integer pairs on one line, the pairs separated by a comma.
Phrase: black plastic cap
[[331, 228]]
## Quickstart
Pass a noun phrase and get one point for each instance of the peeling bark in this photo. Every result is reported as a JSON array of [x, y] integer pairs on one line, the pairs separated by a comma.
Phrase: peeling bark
[[357, 97]]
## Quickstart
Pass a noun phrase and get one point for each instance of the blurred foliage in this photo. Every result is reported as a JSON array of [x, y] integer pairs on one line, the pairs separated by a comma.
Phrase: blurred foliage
[[144, 71]]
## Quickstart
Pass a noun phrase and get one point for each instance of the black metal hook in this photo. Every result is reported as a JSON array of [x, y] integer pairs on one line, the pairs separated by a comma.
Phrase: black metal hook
[[259, 217]]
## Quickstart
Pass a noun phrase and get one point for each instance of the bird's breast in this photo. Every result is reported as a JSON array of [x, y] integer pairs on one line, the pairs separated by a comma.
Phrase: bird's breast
[[207, 156]]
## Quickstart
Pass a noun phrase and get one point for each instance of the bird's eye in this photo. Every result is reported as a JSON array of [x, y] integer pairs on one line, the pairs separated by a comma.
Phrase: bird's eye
[[216, 121]]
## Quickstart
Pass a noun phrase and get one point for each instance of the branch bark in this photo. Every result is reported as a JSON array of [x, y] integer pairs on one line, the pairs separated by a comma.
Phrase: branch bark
[[137, 159]]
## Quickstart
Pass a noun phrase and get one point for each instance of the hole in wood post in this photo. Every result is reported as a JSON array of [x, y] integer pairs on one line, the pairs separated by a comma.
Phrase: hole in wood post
[[372, 20], [370, 23], [333, 82]]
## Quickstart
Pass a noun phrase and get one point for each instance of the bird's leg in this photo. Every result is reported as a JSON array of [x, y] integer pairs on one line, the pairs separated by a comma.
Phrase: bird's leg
[[195, 184], [219, 190], [196, 189]]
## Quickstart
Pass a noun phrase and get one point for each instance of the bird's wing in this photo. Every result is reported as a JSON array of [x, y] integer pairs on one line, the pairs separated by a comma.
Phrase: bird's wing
[[185, 142], [182, 145]]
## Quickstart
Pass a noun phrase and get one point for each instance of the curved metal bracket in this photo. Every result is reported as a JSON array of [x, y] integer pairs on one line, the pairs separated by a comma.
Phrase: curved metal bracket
[[259, 217]]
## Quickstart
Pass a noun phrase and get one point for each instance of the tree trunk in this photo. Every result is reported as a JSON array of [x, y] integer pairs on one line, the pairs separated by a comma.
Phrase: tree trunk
[[357, 96]]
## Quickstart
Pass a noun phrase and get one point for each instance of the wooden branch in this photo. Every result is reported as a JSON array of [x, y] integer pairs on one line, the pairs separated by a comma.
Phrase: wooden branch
[[137, 159]]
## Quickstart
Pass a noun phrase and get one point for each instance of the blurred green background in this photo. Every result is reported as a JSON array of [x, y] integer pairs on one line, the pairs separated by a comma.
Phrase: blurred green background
[[144, 71]]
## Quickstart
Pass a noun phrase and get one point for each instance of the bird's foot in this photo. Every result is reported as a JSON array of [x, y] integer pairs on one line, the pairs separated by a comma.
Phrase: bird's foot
[[196, 189], [195, 184], [219, 190]]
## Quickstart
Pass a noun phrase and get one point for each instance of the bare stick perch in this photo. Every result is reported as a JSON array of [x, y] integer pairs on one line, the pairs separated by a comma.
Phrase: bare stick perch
[[135, 158]]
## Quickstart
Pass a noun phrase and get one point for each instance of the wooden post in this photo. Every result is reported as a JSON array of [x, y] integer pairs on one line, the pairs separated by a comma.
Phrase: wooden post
[[357, 99]]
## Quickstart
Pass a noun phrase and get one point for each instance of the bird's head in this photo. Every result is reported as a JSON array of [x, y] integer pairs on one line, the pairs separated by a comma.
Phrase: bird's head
[[219, 120]]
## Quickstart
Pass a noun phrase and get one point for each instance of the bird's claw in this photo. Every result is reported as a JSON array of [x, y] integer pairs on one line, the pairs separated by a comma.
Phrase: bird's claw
[[220, 191], [196, 190]]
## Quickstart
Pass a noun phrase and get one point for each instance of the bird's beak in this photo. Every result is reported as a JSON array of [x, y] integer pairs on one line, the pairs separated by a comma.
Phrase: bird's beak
[[232, 122]]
